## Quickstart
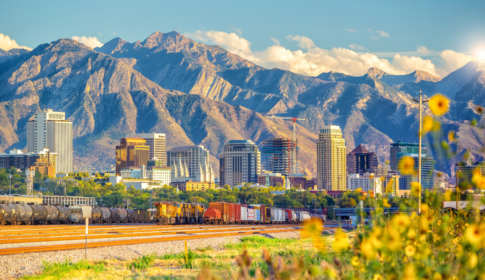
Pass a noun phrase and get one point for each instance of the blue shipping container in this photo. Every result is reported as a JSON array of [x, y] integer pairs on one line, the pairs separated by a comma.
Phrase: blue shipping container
[[257, 216]]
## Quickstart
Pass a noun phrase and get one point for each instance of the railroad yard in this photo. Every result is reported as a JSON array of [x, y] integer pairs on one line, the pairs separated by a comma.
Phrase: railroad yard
[[24, 248]]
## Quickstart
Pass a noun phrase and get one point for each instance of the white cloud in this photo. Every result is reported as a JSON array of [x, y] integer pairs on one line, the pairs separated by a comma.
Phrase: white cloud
[[375, 38], [91, 42], [452, 60], [351, 30], [423, 50], [357, 47], [382, 33], [7, 44], [312, 60], [275, 41]]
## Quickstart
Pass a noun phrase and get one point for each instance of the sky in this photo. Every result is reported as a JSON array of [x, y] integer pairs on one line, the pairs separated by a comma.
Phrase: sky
[[306, 37]]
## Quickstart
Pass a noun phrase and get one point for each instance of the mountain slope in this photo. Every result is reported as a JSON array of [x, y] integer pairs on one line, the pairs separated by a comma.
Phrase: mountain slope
[[106, 99]]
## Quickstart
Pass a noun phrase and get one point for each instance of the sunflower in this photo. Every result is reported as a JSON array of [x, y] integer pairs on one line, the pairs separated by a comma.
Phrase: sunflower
[[415, 188], [451, 136], [474, 234], [341, 241], [377, 277], [368, 250], [472, 261], [479, 110], [427, 124], [439, 104], [401, 221], [410, 250], [355, 261], [406, 166]]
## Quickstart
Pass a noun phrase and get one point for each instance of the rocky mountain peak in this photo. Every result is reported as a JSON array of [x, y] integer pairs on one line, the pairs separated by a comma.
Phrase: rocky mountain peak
[[376, 72], [424, 76]]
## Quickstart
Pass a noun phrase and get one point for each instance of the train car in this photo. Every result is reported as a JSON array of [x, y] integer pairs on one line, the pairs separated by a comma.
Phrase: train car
[[224, 208], [196, 213], [232, 213], [63, 214], [105, 215], [131, 216], [168, 213], [78, 212], [23, 213], [39, 213], [52, 214], [115, 215], [123, 215], [244, 214], [95, 216], [251, 215], [288, 216], [7, 215], [213, 216], [237, 214]]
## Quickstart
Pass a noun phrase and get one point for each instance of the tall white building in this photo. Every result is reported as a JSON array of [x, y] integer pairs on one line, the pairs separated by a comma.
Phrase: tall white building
[[331, 159], [190, 163], [156, 142], [242, 162], [51, 130]]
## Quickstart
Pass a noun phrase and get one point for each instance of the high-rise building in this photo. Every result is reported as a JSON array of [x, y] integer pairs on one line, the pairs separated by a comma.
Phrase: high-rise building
[[132, 152], [51, 130], [331, 159], [464, 173], [156, 142], [242, 162], [190, 163], [402, 149], [361, 161], [277, 156], [221, 170]]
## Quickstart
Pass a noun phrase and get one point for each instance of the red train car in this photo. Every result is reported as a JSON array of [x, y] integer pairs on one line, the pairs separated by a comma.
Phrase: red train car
[[232, 213], [262, 212], [237, 214], [224, 208]]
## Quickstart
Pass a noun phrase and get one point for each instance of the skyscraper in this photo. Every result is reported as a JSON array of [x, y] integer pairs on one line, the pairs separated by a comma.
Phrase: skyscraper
[[190, 163], [331, 159], [132, 152], [51, 130], [242, 162], [402, 149], [156, 142], [277, 156], [360, 161]]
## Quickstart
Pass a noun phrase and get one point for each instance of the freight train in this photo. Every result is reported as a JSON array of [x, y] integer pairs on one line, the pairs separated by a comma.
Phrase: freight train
[[31, 214], [228, 213]]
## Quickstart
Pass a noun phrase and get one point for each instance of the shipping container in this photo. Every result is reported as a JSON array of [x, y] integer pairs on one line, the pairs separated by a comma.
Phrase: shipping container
[[244, 214], [273, 215]]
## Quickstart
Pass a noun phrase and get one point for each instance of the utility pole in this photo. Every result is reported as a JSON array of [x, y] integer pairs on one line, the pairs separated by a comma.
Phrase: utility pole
[[420, 102], [10, 184]]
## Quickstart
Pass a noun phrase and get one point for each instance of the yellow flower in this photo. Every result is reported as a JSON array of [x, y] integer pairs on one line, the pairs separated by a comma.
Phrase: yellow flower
[[341, 241], [393, 239], [448, 195], [410, 250], [368, 250], [313, 227], [376, 238], [406, 166], [409, 272], [386, 203], [415, 188], [401, 221], [451, 136], [437, 276], [377, 277], [355, 261], [427, 124], [439, 104], [412, 234], [473, 234], [472, 261]]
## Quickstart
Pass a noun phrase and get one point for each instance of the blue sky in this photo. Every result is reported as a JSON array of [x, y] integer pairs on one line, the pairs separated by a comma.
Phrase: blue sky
[[436, 25]]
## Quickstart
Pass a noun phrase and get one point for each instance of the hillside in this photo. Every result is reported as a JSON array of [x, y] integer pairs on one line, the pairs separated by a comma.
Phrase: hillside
[[107, 99]]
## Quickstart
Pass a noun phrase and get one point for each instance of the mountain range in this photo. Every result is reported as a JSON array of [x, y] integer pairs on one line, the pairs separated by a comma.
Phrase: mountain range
[[202, 94]]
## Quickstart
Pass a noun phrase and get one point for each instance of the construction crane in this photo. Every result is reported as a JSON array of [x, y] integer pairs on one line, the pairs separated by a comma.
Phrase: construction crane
[[294, 136]]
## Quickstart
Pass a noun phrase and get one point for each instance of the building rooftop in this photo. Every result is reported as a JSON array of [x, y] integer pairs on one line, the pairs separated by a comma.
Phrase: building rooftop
[[185, 148], [399, 143], [241, 142]]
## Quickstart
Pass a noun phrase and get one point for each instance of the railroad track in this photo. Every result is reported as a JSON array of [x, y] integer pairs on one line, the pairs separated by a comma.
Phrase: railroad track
[[74, 246], [110, 233]]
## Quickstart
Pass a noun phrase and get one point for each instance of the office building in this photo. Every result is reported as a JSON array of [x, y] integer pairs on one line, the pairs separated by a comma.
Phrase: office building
[[156, 142], [331, 159], [280, 155], [221, 170], [361, 161], [271, 179], [51, 130], [155, 162], [242, 162], [190, 163], [384, 185], [15, 158], [402, 149], [189, 186], [132, 152], [159, 174], [464, 174]]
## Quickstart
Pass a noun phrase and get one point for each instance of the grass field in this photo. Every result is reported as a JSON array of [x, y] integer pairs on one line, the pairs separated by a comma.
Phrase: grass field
[[175, 266]]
